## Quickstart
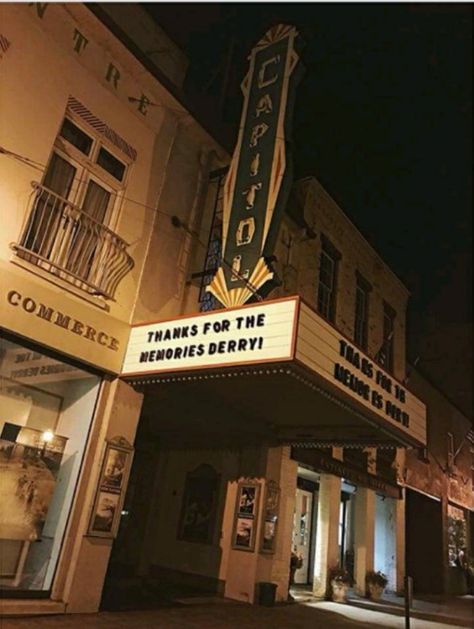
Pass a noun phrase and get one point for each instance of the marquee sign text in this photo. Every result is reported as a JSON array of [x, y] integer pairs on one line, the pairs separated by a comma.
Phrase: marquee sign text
[[257, 333], [359, 385]]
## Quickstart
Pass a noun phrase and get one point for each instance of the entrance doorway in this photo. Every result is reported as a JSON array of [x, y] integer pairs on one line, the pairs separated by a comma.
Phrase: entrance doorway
[[424, 543], [305, 522], [124, 584], [304, 529], [346, 530]]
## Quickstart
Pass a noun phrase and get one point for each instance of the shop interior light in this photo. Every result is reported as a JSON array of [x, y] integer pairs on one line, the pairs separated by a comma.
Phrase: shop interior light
[[47, 436]]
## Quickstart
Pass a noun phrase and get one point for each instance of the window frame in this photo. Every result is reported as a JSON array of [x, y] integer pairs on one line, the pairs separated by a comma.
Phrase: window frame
[[388, 343], [87, 168], [328, 293], [364, 287]]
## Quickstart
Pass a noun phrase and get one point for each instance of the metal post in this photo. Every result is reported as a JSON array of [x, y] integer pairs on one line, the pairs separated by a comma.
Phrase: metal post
[[408, 599]]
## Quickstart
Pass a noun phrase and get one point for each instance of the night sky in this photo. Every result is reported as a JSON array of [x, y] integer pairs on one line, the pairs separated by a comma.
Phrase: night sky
[[382, 119]]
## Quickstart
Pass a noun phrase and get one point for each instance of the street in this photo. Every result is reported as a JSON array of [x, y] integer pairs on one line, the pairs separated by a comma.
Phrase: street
[[214, 613]]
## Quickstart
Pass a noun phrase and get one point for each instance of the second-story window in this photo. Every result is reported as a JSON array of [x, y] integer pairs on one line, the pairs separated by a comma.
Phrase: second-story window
[[385, 354], [328, 280], [69, 230], [361, 323], [84, 171]]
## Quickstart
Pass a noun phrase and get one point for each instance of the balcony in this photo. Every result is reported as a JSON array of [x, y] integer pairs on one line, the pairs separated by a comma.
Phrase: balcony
[[65, 241]]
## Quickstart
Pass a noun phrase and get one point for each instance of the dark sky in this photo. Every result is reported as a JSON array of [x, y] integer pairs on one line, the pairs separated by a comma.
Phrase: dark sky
[[382, 119]]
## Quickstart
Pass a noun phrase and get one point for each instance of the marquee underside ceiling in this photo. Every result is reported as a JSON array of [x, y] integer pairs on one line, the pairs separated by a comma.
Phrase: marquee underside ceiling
[[278, 404]]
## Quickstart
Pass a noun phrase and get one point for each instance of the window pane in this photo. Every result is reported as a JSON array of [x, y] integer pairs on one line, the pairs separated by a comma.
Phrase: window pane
[[361, 322], [76, 136], [96, 201], [47, 407], [44, 221], [111, 164], [327, 283], [388, 341], [59, 176]]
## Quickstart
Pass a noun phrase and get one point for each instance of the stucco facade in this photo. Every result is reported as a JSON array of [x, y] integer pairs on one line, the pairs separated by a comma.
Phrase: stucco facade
[[128, 139]]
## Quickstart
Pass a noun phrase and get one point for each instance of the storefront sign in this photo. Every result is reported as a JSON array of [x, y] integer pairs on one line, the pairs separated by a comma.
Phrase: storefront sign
[[257, 333], [53, 318], [257, 184], [61, 319], [323, 463]]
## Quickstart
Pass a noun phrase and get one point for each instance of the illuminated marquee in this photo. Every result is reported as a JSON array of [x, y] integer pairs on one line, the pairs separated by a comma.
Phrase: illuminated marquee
[[259, 177], [256, 333]]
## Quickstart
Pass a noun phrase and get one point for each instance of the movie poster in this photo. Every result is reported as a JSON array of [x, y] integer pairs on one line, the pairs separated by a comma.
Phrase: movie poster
[[28, 467]]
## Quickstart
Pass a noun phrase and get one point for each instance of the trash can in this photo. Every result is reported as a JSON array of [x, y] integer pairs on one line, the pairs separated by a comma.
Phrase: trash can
[[266, 593]]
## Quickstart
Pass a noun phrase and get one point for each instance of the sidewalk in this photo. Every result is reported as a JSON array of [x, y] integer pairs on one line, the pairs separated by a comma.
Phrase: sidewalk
[[458, 610], [455, 611]]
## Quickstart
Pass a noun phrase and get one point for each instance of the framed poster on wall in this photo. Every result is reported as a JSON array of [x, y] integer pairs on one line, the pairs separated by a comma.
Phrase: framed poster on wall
[[198, 509], [110, 494], [246, 515], [270, 517]]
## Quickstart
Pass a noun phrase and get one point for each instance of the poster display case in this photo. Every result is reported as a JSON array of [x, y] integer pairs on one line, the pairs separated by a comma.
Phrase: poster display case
[[105, 517], [246, 516]]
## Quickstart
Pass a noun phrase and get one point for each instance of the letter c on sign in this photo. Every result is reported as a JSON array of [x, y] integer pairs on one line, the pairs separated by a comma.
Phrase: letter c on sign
[[11, 296], [102, 338]]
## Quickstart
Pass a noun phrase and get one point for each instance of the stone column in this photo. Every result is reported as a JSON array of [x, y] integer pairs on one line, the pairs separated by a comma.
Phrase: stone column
[[327, 549], [364, 536], [245, 569], [118, 412]]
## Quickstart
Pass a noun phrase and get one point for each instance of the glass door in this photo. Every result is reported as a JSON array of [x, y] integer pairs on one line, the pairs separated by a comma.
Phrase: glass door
[[302, 526]]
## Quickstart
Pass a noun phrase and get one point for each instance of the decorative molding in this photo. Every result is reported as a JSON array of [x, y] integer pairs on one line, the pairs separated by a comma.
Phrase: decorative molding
[[101, 127]]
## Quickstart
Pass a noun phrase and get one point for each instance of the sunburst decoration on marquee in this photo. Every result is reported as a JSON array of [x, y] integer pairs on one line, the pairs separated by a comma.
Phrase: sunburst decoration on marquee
[[239, 296], [274, 34]]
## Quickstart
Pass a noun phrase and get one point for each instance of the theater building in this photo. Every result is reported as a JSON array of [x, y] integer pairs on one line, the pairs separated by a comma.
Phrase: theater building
[[273, 426], [97, 153], [200, 372]]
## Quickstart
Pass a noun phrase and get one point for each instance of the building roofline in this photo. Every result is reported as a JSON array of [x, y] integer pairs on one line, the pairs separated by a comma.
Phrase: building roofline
[[312, 178], [151, 67], [436, 386]]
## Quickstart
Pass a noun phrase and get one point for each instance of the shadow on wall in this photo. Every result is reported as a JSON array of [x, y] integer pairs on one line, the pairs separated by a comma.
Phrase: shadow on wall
[[170, 537]]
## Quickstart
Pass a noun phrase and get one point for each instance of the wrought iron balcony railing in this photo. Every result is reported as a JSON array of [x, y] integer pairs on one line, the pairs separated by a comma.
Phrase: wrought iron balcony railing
[[64, 240]]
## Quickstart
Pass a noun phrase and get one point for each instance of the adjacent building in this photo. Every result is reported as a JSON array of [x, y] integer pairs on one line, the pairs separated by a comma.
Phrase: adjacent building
[[440, 491], [97, 154]]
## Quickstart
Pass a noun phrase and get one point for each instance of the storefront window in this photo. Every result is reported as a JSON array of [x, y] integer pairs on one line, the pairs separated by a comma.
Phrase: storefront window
[[457, 535], [46, 409]]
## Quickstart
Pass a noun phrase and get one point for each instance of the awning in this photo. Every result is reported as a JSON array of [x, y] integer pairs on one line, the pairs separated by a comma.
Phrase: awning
[[273, 370]]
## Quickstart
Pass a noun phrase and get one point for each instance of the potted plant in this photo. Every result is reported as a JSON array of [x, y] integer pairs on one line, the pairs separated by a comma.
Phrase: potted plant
[[375, 584], [339, 581]]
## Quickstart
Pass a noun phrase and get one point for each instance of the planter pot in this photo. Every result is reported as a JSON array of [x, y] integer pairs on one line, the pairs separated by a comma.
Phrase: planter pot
[[339, 591], [374, 591]]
